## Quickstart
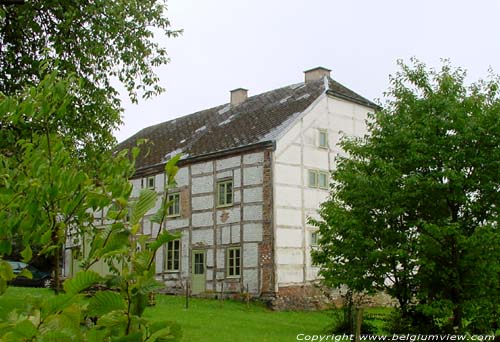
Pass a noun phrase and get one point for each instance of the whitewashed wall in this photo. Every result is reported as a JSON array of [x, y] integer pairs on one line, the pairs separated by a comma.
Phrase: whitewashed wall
[[213, 229], [297, 151]]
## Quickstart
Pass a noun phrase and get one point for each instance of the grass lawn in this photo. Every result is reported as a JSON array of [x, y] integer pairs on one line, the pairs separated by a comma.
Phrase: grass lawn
[[211, 320]]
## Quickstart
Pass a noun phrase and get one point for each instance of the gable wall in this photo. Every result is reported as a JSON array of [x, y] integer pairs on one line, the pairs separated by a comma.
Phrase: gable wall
[[297, 152]]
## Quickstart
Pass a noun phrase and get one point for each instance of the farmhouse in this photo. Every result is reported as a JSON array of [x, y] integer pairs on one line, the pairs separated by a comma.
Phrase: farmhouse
[[253, 170]]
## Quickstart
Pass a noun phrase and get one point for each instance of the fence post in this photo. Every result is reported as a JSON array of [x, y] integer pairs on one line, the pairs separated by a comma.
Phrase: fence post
[[359, 322], [187, 294], [248, 298]]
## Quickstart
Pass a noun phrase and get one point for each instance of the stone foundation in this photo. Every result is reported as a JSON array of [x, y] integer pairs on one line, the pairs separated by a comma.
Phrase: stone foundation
[[305, 297], [317, 297]]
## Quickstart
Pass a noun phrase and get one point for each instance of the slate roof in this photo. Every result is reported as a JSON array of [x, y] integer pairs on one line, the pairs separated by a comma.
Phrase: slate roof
[[259, 119]]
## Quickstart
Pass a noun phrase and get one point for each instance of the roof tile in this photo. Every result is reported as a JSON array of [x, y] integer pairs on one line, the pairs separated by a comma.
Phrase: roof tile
[[257, 119]]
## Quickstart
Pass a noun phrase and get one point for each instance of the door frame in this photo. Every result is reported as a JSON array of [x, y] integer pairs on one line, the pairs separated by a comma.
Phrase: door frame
[[193, 275]]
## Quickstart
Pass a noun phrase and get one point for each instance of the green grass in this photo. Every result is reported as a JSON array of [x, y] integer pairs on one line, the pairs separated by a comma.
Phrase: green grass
[[16, 298], [212, 320]]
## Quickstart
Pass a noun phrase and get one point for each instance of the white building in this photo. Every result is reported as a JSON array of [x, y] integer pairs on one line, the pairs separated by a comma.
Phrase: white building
[[253, 171]]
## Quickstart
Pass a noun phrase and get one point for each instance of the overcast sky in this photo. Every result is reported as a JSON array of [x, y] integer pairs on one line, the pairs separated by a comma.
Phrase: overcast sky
[[262, 45]]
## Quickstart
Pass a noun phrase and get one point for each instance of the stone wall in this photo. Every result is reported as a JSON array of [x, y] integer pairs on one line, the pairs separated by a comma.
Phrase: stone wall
[[305, 297], [314, 296]]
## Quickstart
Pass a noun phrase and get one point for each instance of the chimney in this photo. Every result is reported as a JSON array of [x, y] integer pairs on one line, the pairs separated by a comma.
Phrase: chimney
[[238, 95], [316, 74]]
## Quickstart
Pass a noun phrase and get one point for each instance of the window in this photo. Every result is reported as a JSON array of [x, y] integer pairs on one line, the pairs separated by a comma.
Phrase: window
[[172, 255], [323, 138], [151, 182], [323, 180], [234, 262], [314, 239], [313, 178], [225, 193], [175, 207], [199, 262], [314, 243], [318, 179]]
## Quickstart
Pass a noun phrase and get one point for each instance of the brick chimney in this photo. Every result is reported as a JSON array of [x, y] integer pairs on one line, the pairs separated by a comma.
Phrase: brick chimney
[[316, 74], [238, 95]]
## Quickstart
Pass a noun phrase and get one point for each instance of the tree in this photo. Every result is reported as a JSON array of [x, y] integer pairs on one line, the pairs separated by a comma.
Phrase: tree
[[45, 188], [414, 207], [100, 42], [60, 61], [46, 197]]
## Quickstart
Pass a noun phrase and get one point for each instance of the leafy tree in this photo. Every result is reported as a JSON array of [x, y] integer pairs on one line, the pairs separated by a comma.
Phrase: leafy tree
[[46, 196], [113, 313], [44, 188], [103, 43], [66, 125], [414, 208]]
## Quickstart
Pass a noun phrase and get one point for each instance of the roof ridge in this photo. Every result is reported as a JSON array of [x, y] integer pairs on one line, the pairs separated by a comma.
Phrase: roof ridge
[[262, 116], [344, 92]]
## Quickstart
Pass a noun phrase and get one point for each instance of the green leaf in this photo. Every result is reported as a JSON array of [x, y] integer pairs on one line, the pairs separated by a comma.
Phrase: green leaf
[[6, 271], [162, 239], [148, 285], [66, 322], [25, 272], [56, 304], [113, 319], [164, 331], [5, 247], [57, 334], [96, 335], [139, 303], [81, 281], [134, 337], [147, 200], [160, 215], [27, 254], [104, 302], [21, 331], [141, 260], [171, 170], [3, 286]]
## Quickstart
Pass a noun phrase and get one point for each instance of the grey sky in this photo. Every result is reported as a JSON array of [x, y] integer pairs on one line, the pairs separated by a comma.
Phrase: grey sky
[[261, 45]]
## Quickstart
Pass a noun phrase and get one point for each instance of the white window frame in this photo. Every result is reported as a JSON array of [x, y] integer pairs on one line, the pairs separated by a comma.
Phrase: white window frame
[[225, 201], [171, 209], [150, 182], [316, 176], [170, 255], [314, 238], [322, 132], [325, 174], [233, 271]]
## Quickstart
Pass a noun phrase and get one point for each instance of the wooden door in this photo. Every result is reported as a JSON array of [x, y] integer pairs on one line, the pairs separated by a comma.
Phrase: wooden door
[[198, 271]]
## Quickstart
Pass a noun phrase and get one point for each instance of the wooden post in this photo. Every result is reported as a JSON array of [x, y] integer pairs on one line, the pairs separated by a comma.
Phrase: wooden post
[[187, 294], [221, 292], [359, 322], [248, 298]]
